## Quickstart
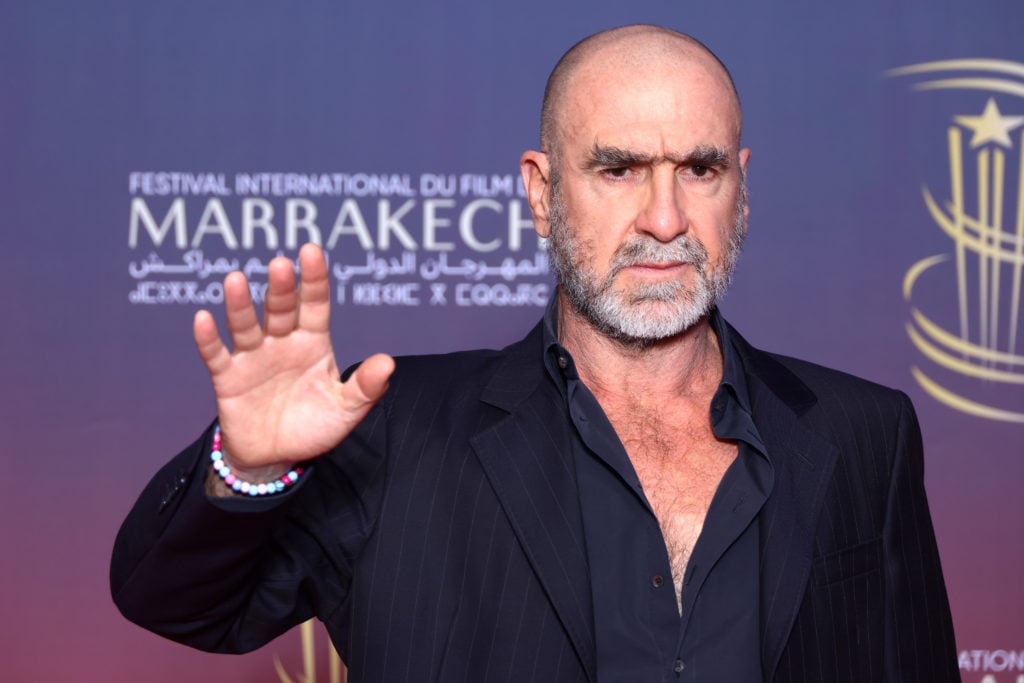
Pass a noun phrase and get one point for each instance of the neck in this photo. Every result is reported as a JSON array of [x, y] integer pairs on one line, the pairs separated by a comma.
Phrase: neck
[[685, 366]]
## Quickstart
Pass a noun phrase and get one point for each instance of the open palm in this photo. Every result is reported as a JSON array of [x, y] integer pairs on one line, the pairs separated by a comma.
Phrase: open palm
[[279, 396]]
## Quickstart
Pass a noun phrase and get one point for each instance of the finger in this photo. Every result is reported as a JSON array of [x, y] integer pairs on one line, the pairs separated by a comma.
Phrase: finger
[[211, 349], [280, 309], [243, 324], [368, 383], [314, 290]]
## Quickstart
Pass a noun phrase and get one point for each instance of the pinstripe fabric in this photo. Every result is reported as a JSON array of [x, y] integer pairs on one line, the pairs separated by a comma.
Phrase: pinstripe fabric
[[856, 571], [443, 541]]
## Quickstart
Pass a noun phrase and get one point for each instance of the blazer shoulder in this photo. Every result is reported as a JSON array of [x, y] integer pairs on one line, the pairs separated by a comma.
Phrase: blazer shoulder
[[808, 387], [823, 380], [497, 375], [852, 410]]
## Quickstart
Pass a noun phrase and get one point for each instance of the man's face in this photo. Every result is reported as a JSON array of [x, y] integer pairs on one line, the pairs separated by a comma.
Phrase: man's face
[[651, 310], [646, 208]]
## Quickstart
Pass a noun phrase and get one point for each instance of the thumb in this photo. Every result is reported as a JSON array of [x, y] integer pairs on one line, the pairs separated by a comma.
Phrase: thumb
[[369, 382]]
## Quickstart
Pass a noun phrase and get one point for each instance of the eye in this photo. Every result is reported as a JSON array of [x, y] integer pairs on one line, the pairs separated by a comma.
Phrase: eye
[[700, 173], [617, 172]]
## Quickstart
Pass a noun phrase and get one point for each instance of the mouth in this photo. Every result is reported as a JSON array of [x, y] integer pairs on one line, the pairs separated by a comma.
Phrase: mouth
[[656, 268]]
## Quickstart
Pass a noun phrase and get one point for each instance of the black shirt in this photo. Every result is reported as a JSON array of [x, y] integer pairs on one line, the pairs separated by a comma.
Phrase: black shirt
[[641, 636]]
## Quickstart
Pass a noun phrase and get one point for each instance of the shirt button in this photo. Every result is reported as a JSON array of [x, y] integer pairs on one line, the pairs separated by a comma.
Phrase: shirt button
[[678, 666], [657, 581], [563, 362]]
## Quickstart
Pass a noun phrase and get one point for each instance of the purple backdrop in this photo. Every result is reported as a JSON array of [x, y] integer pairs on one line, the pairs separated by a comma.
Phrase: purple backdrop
[[145, 147]]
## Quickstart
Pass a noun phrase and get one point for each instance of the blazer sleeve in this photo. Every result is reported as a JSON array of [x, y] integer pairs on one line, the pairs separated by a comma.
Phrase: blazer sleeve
[[231, 574], [919, 641]]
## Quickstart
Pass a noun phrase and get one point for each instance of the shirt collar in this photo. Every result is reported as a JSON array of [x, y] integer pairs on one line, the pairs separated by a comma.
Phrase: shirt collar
[[551, 322], [732, 367], [557, 360], [730, 407]]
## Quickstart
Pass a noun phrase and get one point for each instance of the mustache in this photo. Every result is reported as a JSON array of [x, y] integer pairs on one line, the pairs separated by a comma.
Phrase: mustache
[[640, 250]]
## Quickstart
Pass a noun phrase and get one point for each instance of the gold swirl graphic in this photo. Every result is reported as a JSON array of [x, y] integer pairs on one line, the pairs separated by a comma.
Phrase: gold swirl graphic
[[335, 672], [986, 266]]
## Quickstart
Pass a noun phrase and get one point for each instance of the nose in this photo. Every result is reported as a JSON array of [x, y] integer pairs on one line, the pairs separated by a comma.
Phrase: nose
[[663, 214]]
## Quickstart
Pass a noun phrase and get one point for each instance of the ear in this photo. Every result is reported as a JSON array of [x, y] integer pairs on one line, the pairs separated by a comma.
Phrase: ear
[[535, 168], [744, 162]]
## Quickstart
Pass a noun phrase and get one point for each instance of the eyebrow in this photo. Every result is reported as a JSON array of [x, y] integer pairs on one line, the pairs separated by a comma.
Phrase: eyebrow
[[616, 157]]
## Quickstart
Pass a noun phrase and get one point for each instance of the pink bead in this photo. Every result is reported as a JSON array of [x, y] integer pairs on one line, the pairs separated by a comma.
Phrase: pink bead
[[230, 479]]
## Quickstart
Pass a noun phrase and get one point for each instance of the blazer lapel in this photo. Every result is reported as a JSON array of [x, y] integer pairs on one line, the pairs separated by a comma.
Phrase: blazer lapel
[[527, 456], [803, 462]]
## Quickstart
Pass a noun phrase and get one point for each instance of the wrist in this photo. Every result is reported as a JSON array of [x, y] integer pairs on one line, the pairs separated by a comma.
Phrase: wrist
[[226, 478]]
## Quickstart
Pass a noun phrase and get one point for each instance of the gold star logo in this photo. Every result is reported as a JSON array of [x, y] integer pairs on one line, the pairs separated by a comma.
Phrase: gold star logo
[[991, 126]]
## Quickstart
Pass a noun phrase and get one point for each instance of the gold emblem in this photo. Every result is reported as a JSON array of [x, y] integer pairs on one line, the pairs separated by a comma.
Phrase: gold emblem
[[970, 336], [335, 669]]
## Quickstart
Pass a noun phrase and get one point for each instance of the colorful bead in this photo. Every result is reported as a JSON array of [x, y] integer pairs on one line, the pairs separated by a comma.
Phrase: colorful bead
[[245, 488]]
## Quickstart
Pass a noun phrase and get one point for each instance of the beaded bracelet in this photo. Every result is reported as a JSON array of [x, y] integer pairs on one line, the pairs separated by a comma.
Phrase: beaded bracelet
[[244, 487]]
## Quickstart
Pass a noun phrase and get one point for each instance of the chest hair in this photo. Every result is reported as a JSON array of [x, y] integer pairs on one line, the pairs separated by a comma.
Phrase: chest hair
[[680, 463]]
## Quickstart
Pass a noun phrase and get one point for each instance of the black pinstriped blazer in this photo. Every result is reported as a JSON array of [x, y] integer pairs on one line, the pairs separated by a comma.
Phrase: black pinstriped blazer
[[443, 541]]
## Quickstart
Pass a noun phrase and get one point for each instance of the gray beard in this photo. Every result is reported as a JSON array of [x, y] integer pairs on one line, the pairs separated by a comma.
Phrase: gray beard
[[648, 313]]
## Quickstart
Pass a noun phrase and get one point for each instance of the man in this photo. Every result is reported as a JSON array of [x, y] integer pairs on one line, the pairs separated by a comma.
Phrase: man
[[631, 493]]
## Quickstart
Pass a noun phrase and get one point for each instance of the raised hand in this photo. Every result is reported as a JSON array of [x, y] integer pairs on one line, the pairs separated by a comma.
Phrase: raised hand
[[279, 396]]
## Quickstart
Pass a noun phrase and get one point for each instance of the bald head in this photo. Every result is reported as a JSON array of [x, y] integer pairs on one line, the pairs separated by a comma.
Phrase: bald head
[[627, 48]]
